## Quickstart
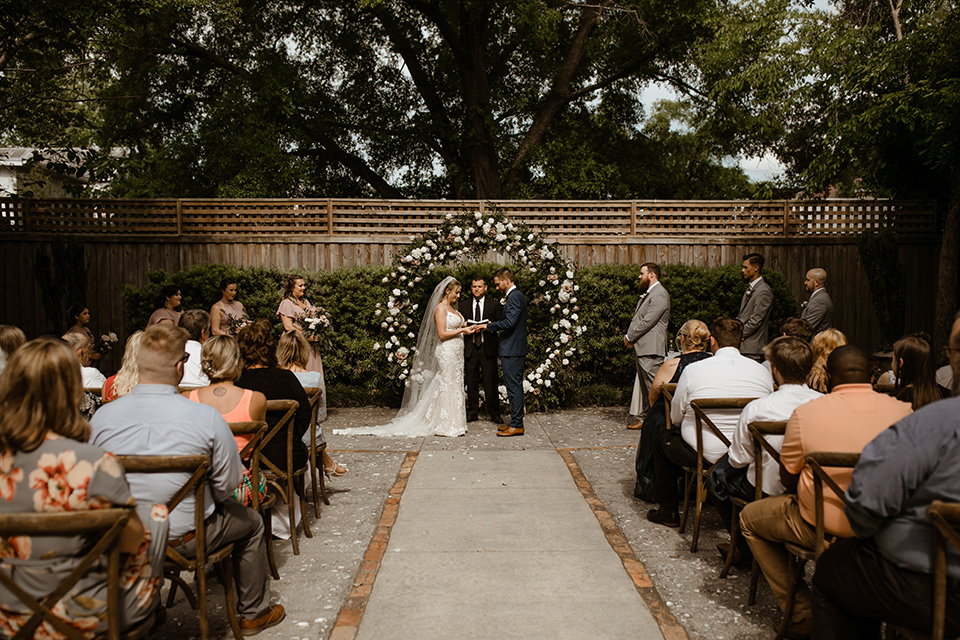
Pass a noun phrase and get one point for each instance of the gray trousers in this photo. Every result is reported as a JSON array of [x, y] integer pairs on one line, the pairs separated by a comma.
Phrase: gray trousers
[[647, 367], [233, 522]]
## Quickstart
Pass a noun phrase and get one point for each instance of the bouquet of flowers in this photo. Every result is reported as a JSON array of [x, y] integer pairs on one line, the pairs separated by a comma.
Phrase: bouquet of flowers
[[234, 323], [105, 343], [317, 327]]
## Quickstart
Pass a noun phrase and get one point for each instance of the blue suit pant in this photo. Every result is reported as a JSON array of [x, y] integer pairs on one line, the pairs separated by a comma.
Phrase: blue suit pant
[[513, 367]]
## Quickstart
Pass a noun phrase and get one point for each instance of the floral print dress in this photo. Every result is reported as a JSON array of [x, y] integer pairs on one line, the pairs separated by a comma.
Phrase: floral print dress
[[65, 475]]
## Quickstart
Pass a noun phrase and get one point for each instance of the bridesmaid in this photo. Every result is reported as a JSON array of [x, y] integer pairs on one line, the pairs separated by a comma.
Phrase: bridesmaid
[[80, 316], [225, 309], [168, 300], [292, 308]]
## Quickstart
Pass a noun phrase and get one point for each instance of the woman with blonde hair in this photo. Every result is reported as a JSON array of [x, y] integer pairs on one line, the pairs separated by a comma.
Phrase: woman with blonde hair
[[293, 351], [123, 381], [693, 340], [48, 467], [221, 363], [823, 345]]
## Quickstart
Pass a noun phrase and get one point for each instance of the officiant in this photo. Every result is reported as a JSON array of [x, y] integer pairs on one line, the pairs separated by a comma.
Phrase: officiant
[[480, 352]]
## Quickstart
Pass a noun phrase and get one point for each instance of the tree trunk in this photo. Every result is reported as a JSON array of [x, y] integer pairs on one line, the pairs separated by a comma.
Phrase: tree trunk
[[947, 273]]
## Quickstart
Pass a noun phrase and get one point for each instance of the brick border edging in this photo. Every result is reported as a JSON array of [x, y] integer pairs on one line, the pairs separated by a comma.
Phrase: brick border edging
[[345, 628], [669, 626]]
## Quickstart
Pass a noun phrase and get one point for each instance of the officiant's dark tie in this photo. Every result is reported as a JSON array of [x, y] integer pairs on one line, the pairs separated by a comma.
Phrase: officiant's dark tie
[[477, 338]]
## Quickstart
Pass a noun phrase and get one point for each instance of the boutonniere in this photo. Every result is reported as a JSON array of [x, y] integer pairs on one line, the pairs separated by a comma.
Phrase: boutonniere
[[803, 305], [643, 296], [749, 293]]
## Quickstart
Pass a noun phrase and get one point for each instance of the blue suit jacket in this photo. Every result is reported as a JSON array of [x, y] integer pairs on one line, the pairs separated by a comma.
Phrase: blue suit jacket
[[512, 326]]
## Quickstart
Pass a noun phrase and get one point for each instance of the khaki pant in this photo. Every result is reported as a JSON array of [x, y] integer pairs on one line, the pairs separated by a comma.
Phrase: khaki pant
[[767, 525]]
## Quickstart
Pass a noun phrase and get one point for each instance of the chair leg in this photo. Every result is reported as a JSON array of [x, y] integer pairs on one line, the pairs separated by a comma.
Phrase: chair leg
[[292, 510], [754, 583], [200, 579], [734, 534], [696, 520], [225, 571], [687, 479], [268, 533], [303, 507], [323, 479], [796, 575], [315, 481]]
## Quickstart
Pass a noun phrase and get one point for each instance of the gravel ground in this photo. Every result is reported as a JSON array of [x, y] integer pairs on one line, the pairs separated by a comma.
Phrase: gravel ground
[[316, 583]]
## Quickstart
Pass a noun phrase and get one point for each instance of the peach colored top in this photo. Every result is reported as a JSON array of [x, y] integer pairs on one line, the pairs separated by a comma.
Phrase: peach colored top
[[845, 420], [240, 413]]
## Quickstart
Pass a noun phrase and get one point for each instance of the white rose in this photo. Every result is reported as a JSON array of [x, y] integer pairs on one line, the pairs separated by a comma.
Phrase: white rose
[[500, 237], [565, 362], [569, 275], [491, 221], [564, 338], [543, 282], [402, 269], [383, 325], [574, 316], [456, 231], [553, 374], [477, 215], [566, 311], [416, 253], [385, 279], [376, 346], [527, 387], [396, 292], [411, 335], [377, 312]]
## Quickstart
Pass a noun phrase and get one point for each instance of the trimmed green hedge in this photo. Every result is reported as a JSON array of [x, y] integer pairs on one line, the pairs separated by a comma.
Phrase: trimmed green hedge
[[356, 374]]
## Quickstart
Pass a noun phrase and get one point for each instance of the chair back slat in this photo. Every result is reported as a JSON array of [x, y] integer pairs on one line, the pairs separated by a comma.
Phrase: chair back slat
[[108, 521], [945, 517], [817, 460], [252, 450], [759, 430], [196, 466]]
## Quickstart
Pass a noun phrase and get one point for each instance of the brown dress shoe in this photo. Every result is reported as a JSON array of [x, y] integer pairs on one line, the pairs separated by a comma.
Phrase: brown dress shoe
[[635, 425], [267, 620], [511, 431], [503, 427]]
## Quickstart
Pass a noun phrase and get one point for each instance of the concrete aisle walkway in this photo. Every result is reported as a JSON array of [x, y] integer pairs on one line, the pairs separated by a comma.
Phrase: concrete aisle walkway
[[500, 544]]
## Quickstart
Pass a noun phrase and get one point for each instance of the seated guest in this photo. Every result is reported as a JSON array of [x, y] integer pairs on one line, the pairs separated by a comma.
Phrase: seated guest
[[155, 420], [913, 372], [692, 340], [823, 345], [944, 377], [258, 350], [48, 467], [791, 360], [197, 324], [122, 382], [91, 376], [11, 338], [884, 574], [726, 375], [293, 352], [797, 328], [168, 300], [220, 359], [845, 420]]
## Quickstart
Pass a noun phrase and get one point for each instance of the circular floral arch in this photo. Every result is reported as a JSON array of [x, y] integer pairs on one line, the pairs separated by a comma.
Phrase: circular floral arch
[[471, 235]]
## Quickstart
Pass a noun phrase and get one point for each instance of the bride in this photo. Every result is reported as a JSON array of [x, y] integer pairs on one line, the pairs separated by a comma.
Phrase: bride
[[433, 401]]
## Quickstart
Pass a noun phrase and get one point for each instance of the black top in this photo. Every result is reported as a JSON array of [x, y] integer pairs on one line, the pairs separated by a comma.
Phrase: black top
[[688, 358], [280, 384]]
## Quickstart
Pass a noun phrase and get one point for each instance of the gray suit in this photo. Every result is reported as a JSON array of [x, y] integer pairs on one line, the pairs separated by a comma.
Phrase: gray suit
[[648, 333], [819, 311], [755, 316]]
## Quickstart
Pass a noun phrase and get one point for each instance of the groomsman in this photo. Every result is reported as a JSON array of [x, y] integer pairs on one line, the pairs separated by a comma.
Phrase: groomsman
[[818, 310], [648, 333], [754, 308], [512, 330], [480, 352]]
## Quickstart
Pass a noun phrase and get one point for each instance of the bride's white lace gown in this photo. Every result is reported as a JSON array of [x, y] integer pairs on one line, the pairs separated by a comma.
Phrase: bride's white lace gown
[[441, 410]]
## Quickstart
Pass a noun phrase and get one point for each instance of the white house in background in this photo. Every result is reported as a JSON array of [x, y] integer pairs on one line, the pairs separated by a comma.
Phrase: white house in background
[[17, 162]]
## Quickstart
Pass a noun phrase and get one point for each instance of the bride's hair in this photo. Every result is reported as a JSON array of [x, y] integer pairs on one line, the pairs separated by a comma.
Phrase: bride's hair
[[453, 284]]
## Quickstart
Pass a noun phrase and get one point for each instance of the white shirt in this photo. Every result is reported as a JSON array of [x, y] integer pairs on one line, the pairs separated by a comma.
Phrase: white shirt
[[726, 375], [193, 375], [512, 287], [779, 405], [92, 378], [945, 376]]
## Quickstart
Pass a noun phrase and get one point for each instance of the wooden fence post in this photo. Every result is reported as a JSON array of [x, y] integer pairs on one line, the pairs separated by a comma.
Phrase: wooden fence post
[[179, 218], [330, 216]]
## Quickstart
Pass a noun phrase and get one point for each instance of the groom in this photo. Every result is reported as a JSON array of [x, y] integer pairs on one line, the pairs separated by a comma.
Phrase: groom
[[512, 330]]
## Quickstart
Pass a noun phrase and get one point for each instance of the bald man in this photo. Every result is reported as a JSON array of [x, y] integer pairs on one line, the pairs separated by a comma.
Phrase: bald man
[[818, 309]]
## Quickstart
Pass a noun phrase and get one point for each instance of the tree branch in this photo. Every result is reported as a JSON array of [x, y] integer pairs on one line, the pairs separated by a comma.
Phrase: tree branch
[[197, 51]]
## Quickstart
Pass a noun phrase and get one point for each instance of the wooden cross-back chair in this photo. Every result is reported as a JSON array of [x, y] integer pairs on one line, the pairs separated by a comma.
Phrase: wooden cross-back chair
[[197, 467], [317, 478], [759, 431], [252, 451], [946, 520], [108, 524], [695, 477], [667, 389], [818, 461], [289, 481]]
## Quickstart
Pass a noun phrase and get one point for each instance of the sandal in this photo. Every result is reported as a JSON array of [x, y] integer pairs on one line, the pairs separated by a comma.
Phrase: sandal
[[335, 471]]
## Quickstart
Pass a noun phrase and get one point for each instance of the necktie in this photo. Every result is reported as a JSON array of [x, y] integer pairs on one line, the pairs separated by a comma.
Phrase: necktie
[[477, 339]]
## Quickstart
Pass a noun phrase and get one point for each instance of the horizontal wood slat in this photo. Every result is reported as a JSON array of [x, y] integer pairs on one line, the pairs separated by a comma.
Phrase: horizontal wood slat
[[558, 219]]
